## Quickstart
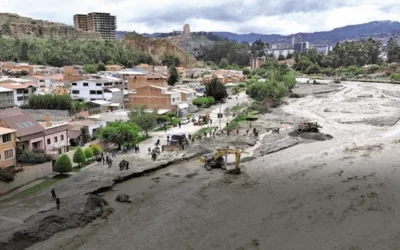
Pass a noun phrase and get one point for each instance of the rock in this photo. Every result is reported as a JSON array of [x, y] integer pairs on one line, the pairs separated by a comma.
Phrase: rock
[[329, 110], [191, 175], [124, 198]]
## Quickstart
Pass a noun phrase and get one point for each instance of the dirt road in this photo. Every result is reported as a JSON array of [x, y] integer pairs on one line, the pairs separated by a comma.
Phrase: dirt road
[[334, 194]]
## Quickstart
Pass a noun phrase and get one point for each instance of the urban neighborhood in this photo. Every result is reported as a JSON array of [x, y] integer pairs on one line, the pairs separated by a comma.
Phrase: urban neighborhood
[[207, 139]]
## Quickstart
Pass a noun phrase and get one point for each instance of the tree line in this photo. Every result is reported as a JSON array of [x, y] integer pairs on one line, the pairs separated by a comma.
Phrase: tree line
[[58, 53]]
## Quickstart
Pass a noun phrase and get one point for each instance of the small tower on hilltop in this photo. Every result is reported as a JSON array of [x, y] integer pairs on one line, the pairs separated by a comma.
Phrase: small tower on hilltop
[[186, 30]]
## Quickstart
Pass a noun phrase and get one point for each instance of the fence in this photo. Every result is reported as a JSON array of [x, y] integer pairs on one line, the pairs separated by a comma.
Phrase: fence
[[28, 175]]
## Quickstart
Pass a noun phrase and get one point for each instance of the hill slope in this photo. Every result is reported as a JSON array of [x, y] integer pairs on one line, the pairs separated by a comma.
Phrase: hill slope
[[157, 48], [12, 25]]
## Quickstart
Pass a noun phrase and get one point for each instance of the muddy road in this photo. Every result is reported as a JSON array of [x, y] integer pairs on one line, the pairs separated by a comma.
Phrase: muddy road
[[334, 194]]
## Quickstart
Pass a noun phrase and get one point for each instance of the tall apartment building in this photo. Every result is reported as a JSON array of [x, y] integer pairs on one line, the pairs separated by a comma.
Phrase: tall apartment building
[[81, 22], [103, 23]]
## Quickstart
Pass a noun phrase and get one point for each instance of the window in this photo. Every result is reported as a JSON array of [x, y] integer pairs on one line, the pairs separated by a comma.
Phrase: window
[[75, 92], [74, 84], [92, 92], [85, 84], [23, 147], [62, 138], [20, 91], [48, 141], [55, 138], [99, 92], [20, 98], [173, 99], [7, 138], [98, 84], [8, 154]]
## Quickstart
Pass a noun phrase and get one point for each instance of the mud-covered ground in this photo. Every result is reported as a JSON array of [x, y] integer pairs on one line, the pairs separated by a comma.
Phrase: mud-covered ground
[[299, 193]]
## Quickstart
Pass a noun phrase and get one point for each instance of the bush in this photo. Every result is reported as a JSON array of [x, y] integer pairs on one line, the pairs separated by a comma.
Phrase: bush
[[89, 153], [204, 101], [96, 150], [79, 156], [8, 174], [63, 164], [32, 157]]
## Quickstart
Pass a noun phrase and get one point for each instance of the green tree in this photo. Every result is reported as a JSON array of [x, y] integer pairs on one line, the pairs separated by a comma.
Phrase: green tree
[[258, 47], [101, 66], [120, 133], [79, 156], [173, 76], [96, 149], [289, 56], [216, 89], [89, 153], [24, 52], [313, 69], [223, 64], [281, 57], [171, 61], [145, 120], [63, 164], [91, 68]]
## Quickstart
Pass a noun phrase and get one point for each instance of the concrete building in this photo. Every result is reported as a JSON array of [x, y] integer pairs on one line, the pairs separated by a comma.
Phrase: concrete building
[[93, 89], [256, 62], [156, 98], [7, 147], [55, 137], [6, 98], [81, 22], [99, 22], [22, 88]]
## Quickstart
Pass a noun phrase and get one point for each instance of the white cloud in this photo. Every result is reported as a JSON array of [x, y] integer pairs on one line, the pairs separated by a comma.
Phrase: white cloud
[[243, 16]]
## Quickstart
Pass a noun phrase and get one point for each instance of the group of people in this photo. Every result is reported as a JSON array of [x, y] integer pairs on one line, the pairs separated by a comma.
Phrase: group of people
[[135, 148], [107, 159]]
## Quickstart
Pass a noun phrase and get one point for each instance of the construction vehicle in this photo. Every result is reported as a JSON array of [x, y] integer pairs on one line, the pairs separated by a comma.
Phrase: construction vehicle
[[308, 126], [212, 160]]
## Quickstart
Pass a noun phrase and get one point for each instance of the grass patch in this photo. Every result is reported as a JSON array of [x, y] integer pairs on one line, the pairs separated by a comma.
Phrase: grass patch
[[47, 182], [142, 138], [87, 163], [235, 123], [202, 131]]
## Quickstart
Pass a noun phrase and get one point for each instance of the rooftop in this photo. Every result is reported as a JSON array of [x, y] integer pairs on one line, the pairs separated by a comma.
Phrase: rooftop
[[2, 90], [4, 130], [23, 123]]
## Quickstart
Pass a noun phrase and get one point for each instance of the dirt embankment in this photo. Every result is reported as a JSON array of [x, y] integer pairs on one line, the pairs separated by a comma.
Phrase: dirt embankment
[[75, 212]]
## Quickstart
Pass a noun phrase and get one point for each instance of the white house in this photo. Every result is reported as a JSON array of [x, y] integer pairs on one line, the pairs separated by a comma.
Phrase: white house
[[93, 89], [22, 88]]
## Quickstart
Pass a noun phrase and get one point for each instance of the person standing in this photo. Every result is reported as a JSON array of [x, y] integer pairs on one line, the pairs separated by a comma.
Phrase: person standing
[[149, 150], [58, 203], [180, 125], [53, 194], [165, 128], [107, 158], [104, 160], [113, 153]]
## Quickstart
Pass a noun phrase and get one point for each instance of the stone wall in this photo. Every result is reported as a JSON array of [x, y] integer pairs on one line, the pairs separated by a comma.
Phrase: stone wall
[[27, 176], [55, 115]]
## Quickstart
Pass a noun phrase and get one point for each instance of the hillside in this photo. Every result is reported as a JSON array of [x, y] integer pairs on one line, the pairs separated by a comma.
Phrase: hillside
[[157, 48], [15, 26]]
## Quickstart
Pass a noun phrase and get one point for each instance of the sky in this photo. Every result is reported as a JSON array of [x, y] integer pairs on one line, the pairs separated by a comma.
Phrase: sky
[[283, 17]]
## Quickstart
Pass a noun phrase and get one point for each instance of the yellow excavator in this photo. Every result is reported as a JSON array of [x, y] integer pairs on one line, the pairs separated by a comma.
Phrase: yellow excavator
[[212, 160]]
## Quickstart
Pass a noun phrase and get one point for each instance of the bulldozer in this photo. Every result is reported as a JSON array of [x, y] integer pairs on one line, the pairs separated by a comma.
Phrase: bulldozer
[[308, 126], [212, 160]]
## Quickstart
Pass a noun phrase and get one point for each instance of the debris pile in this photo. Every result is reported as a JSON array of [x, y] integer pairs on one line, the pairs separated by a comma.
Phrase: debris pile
[[124, 198], [74, 212]]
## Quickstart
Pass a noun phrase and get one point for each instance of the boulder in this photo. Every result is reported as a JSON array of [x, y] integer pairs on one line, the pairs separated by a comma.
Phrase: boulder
[[124, 198]]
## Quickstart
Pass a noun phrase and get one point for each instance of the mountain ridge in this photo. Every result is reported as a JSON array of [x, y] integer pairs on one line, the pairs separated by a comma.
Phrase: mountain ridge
[[354, 31]]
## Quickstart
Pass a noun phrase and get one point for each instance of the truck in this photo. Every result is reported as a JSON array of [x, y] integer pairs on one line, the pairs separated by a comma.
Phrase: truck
[[308, 126]]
